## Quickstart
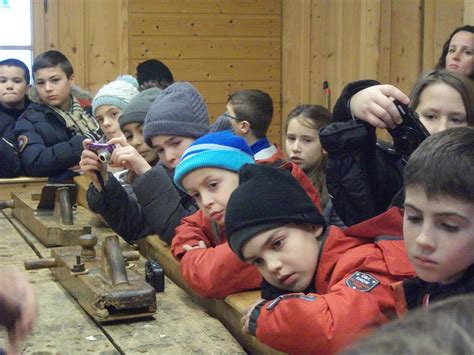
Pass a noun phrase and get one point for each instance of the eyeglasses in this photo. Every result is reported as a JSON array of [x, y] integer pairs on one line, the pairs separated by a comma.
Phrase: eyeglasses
[[226, 114]]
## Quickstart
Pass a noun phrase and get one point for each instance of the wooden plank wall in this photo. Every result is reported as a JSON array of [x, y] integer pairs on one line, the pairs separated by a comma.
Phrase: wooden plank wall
[[285, 47], [92, 34], [339, 41], [221, 46]]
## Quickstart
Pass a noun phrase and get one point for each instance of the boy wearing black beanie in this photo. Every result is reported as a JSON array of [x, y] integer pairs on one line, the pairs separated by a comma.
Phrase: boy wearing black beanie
[[208, 171], [324, 286]]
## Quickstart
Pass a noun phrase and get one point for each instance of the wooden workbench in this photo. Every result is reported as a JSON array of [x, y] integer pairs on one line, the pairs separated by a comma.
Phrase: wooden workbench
[[179, 325], [229, 311], [22, 183]]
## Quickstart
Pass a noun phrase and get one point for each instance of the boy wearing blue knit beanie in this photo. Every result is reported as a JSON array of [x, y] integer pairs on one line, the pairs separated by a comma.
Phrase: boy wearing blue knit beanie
[[208, 172]]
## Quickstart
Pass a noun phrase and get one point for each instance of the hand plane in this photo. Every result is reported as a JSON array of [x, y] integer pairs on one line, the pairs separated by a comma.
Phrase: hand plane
[[100, 280]]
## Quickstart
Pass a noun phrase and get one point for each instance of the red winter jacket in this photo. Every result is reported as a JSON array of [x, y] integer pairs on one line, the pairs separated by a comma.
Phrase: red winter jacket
[[216, 271], [279, 159], [354, 273]]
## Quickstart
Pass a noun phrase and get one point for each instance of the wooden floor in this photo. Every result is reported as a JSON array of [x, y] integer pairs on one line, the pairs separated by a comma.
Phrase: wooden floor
[[179, 326]]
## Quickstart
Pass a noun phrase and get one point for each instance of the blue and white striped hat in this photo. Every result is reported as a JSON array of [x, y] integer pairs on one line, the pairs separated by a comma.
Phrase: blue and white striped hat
[[222, 150]]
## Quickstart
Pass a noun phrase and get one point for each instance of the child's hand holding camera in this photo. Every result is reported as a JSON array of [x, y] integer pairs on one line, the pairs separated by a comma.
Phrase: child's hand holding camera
[[91, 165], [127, 157], [374, 105]]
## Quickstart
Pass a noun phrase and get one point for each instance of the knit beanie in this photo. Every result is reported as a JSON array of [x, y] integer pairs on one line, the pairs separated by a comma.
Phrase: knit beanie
[[267, 197], [153, 70], [222, 123], [138, 107], [179, 110], [222, 150], [117, 93]]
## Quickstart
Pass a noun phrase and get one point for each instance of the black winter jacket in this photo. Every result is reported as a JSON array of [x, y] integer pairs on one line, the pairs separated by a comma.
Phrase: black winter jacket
[[51, 148], [416, 289], [10, 162], [363, 174], [157, 205]]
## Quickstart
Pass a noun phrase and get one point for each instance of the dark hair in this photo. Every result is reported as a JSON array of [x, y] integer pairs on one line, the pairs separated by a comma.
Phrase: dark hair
[[443, 165], [154, 73], [458, 82], [444, 327], [254, 106], [442, 59], [319, 116], [316, 117], [12, 62], [51, 59]]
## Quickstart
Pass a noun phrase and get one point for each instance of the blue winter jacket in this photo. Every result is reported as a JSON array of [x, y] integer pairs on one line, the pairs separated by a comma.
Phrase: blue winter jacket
[[48, 147]]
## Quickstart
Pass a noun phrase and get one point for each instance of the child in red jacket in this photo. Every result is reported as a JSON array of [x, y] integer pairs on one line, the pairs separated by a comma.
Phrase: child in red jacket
[[325, 286], [208, 171]]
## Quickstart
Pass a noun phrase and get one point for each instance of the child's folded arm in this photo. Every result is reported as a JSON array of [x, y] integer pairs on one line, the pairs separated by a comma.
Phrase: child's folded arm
[[320, 323], [191, 230], [217, 272], [40, 160]]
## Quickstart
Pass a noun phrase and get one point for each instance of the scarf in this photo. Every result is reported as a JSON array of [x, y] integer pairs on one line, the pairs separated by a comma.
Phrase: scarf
[[77, 120]]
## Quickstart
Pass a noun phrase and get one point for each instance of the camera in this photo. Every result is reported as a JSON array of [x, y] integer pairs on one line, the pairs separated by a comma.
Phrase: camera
[[103, 151], [408, 135], [154, 275]]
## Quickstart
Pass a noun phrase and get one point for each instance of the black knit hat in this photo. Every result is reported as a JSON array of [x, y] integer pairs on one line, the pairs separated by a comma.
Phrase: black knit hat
[[267, 197], [153, 70]]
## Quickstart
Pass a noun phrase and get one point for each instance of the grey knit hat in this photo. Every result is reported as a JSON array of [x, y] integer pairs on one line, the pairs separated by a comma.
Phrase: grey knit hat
[[117, 93], [136, 110], [179, 110]]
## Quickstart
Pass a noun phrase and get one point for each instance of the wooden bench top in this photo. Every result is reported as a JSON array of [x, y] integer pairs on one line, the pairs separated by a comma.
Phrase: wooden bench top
[[23, 180], [64, 329], [229, 311], [179, 325], [23, 183]]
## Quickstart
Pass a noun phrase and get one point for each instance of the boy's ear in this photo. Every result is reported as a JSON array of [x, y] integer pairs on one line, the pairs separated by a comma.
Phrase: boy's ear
[[71, 79], [245, 127], [317, 230]]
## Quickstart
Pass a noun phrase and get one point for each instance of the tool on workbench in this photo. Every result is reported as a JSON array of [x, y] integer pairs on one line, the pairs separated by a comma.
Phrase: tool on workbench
[[52, 215], [155, 275], [99, 279]]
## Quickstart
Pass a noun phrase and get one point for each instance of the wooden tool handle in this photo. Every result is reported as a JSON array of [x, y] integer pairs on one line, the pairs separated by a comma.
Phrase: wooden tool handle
[[40, 264], [6, 204], [131, 255]]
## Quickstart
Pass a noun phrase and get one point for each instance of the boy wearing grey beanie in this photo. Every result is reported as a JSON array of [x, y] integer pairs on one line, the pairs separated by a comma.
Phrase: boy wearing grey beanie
[[110, 101], [175, 118], [117, 203]]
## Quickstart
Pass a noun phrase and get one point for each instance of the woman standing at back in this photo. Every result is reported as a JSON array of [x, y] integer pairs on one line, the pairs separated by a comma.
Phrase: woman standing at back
[[457, 52]]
